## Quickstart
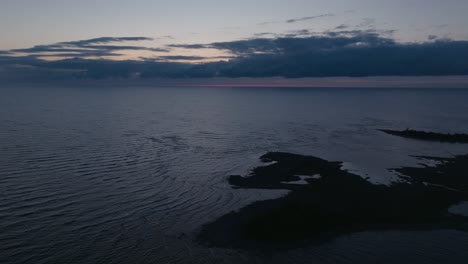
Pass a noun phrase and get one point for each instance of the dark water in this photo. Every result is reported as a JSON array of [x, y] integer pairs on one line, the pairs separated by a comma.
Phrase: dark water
[[128, 175]]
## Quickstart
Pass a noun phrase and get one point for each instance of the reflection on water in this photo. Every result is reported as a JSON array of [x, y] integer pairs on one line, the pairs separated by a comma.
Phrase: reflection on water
[[113, 175]]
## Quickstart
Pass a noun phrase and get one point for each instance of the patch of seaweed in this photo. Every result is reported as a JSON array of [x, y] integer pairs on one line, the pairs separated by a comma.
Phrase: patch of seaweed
[[337, 203]]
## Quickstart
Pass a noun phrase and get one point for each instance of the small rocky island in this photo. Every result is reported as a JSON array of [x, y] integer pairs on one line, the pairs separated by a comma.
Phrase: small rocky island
[[326, 201], [430, 136]]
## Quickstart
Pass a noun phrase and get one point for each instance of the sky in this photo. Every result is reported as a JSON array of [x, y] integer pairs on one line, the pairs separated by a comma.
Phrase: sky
[[177, 35], [29, 22]]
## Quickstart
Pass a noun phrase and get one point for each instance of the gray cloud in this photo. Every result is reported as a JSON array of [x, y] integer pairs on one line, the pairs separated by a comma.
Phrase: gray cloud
[[102, 40], [268, 22], [359, 55], [354, 53], [314, 40], [294, 20], [342, 26], [189, 46], [299, 33], [48, 48], [263, 34], [111, 47], [97, 53], [367, 22], [179, 57], [87, 48], [166, 37], [184, 58], [6, 60]]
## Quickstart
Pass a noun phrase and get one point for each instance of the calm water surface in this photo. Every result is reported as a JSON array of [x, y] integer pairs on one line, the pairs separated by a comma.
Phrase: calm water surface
[[128, 175]]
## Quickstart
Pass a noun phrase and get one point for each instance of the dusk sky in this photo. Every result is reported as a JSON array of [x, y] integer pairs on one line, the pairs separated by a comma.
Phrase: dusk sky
[[205, 32]]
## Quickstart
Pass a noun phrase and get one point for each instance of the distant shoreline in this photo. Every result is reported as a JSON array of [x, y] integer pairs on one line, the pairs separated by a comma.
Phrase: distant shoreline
[[379, 82]]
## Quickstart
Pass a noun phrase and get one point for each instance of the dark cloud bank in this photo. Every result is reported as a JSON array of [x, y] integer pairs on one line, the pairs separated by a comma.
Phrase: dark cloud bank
[[96, 47], [331, 54]]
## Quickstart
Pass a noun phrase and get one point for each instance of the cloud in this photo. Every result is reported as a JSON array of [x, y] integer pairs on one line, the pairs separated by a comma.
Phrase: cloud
[[341, 53], [342, 26], [189, 46], [352, 53], [102, 40], [96, 53], [299, 33], [48, 48], [166, 37], [267, 22], [245, 47], [354, 56], [297, 39], [6, 60], [176, 57], [191, 58], [263, 34], [239, 47], [294, 20], [367, 22], [88, 48], [110, 47]]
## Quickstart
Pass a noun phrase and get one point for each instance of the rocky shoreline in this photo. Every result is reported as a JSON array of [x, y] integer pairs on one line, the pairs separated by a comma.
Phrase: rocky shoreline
[[326, 201], [429, 136]]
